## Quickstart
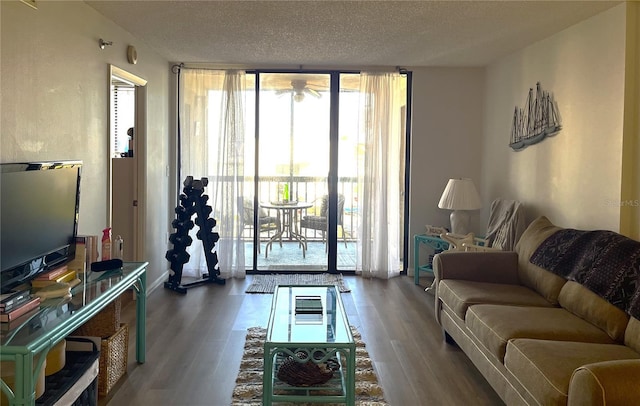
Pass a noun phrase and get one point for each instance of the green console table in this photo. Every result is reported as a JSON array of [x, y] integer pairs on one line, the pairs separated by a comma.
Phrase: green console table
[[28, 343], [433, 242]]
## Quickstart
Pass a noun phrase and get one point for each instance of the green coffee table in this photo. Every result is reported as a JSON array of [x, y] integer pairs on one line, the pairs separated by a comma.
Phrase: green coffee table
[[317, 336]]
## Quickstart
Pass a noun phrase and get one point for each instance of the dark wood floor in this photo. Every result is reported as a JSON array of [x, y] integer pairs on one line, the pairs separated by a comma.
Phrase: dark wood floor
[[195, 343]]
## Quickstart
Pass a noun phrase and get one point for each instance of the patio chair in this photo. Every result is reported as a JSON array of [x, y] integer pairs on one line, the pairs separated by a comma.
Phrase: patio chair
[[266, 223], [320, 222]]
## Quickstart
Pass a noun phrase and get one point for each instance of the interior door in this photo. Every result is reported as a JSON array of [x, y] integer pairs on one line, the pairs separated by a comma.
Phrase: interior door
[[127, 131]]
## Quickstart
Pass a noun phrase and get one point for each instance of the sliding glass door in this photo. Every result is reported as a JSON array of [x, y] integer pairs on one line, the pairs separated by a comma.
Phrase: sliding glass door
[[293, 160], [302, 209]]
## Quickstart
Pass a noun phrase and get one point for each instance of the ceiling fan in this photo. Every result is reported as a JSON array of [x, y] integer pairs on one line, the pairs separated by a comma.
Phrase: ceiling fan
[[300, 87]]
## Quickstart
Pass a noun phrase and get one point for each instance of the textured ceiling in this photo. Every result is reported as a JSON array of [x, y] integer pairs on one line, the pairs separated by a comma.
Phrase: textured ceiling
[[343, 33]]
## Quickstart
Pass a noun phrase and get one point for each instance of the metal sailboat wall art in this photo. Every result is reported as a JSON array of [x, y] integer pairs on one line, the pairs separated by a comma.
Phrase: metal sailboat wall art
[[538, 120]]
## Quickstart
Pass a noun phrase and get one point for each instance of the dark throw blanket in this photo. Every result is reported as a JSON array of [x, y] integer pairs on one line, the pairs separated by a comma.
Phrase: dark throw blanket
[[605, 262]]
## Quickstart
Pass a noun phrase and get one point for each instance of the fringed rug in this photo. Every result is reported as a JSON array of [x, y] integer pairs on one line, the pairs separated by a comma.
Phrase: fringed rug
[[268, 283], [248, 390]]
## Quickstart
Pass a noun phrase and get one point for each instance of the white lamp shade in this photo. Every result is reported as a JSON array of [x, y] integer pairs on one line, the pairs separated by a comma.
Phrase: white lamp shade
[[460, 194]]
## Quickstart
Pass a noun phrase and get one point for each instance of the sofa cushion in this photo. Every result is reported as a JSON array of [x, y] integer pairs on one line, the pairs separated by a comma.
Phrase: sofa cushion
[[538, 279], [535, 363], [632, 334], [591, 307], [495, 325], [458, 295]]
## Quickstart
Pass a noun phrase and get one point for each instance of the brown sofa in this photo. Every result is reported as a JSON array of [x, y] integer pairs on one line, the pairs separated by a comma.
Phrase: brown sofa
[[538, 338]]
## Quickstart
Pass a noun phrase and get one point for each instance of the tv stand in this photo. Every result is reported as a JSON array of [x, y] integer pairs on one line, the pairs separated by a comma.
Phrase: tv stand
[[28, 344]]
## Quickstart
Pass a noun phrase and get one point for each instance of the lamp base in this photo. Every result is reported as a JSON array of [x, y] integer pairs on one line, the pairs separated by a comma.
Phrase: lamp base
[[460, 221]]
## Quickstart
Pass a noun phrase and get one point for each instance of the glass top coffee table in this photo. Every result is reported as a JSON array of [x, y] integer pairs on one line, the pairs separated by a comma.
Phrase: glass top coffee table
[[307, 326]]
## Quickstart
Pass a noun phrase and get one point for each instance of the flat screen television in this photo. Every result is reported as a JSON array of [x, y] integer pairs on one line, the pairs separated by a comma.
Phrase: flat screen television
[[39, 206]]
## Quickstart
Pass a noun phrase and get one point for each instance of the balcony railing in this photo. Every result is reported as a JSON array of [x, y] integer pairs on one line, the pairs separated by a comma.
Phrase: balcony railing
[[308, 189]]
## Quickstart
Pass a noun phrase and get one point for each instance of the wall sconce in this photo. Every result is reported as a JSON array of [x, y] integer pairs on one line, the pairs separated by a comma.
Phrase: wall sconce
[[132, 55], [102, 43]]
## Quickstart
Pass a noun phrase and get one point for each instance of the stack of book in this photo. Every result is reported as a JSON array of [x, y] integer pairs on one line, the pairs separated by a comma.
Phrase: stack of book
[[17, 303], [61, 274], [309, 310], [55, 283]]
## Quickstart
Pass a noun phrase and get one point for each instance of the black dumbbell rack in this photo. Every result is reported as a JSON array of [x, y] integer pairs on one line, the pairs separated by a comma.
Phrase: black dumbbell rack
[[192, 201]]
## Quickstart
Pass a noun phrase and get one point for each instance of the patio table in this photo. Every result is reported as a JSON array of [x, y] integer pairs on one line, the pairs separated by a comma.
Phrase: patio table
[[288, 214]]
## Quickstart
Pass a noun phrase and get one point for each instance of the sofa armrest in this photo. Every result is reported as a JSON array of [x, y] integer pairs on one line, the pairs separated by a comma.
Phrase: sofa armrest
[[610, 383], [477, 266], [493, 267]]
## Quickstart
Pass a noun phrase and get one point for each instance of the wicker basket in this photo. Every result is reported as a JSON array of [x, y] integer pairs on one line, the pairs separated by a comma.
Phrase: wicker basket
[[114, 353], [305, 373], [104, 324]]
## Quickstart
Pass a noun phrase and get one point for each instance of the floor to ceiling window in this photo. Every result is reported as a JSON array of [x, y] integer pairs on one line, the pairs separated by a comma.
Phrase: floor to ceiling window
[[305, 200]]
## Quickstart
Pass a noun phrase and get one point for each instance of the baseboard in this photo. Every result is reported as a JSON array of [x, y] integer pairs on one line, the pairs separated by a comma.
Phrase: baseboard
[[158, 282]]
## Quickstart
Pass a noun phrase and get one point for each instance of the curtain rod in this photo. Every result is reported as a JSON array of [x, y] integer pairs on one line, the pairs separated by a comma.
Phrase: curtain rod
[[287, 69]]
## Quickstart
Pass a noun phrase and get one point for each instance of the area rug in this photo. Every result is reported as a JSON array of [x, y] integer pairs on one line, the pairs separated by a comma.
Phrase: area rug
[[248, 390], [268, 283]]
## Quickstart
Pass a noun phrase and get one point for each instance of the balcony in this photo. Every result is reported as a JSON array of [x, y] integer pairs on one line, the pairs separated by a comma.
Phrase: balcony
[[290, 257]]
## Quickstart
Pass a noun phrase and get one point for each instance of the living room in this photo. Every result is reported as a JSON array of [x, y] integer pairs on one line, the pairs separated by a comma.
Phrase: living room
[[55, 106], [52, 56]]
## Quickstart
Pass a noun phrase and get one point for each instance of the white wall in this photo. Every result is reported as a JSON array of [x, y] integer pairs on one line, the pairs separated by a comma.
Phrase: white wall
[[446, 140], [54, 105], [574, 177]]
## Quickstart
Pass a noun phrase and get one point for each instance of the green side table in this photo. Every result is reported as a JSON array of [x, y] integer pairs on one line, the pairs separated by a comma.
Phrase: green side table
[[435, 244]]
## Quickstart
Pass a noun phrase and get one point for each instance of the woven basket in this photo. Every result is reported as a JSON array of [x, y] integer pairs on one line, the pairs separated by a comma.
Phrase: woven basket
[[114, 353], [104, 324], [305, 373]]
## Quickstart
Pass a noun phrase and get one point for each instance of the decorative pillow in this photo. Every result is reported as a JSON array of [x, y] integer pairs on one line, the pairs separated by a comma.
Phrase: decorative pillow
[[542, 281], [591, 307], [632, 335]]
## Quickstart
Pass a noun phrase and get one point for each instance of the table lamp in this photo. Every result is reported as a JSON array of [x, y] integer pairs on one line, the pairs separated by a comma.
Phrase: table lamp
[[461, 196]]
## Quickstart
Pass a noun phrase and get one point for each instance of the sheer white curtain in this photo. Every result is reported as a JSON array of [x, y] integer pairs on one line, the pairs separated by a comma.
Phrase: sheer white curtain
[[212, 133], [378, 181]]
